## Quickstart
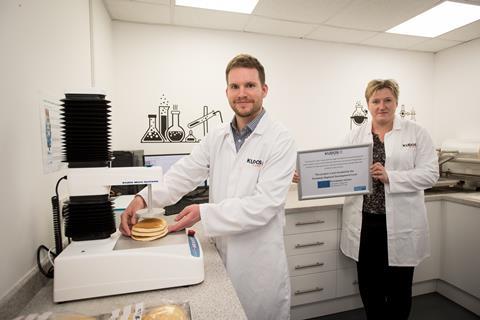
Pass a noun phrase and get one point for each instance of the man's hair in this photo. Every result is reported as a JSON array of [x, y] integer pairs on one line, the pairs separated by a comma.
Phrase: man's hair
[[246, 61], [380, 84]]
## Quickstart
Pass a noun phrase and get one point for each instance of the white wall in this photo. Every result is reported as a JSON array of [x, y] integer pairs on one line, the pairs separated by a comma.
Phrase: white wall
[[456, 108], [313, 85], [101, 41], [45, 52]]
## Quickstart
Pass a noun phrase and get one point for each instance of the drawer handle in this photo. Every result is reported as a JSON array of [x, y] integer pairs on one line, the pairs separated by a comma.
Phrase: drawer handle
[[317, 264], [355, 282], [302, 223], [302, 245], [316, 289]]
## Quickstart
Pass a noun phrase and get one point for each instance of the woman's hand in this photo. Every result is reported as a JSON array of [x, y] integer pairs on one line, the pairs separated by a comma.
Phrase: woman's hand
[[378, 172], [296, 177]]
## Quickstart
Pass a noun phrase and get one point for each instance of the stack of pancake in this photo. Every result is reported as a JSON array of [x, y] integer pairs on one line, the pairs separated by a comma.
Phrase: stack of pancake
[[149, 229]]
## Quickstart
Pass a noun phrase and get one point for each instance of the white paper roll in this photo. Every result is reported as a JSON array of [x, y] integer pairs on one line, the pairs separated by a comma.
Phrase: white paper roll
[[462, 146]]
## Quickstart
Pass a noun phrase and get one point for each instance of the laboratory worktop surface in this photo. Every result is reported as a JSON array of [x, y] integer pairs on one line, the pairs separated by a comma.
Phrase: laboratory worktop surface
[[470, 198], [214, 298]]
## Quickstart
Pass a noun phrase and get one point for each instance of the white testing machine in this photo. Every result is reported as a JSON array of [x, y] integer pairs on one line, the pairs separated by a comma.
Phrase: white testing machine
[[119, 264]]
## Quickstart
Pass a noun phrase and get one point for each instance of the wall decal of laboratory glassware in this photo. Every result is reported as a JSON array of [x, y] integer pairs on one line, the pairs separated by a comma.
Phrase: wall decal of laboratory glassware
[[204, 119], [175, 133], [359, 115], [404, 113]]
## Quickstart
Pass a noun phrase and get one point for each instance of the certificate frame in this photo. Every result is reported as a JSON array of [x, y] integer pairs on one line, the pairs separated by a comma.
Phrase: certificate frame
[[334, 171]]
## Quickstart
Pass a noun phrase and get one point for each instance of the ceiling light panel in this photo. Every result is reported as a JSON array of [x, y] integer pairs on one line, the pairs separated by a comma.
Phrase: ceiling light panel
[[443, 18], [243, 6]]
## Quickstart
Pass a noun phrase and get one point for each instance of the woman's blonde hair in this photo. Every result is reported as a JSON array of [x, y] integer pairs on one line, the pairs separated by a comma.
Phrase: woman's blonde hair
[[379, 84]]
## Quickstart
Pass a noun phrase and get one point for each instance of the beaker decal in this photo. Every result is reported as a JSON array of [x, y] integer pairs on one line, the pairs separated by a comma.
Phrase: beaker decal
[[359, 115], [190, 137], [175, 132], [404, 113], [152, 134]]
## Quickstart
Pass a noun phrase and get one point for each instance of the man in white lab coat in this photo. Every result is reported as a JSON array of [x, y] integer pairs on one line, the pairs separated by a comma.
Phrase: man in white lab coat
[[250, 164]]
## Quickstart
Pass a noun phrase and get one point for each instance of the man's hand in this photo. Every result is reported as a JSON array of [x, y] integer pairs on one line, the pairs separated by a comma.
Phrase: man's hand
[[378, 172], [186, 218], [128, 218]]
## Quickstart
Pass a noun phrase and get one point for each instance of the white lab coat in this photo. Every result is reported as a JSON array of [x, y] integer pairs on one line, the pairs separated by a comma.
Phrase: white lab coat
[[412, 166], [246, 214]]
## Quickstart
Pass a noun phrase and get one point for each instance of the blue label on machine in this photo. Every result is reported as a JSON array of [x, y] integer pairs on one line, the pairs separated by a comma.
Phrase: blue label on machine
[[194, 247], [359, 188]]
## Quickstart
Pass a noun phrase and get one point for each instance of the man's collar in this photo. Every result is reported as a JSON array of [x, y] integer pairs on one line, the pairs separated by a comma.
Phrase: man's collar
[[251, 125]]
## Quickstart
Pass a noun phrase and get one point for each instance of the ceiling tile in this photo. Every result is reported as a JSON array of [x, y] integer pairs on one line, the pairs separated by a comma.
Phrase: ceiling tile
[[395, 41], [326, 33], [138, 11], [203, 18], [434, 45], [466, 33], [278, 27], [375, 15], [306, 11], [348, 21]]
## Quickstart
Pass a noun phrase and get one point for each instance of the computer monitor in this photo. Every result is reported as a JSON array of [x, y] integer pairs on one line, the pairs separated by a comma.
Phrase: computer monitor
[[165, 161], [126, 158]]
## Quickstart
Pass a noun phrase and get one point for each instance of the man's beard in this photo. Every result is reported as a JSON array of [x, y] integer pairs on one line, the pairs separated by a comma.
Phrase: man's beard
[[256, 107]]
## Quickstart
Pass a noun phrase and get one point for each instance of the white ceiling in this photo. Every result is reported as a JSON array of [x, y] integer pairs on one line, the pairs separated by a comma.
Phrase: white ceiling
[[347, 21]]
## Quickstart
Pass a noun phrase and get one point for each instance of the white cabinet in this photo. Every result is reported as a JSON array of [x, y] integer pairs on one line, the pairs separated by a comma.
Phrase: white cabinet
[[461, 248], [429, 268], [302, 264], [347, 282], [318, 270], [324, 281], [311, 242], [313, 287]]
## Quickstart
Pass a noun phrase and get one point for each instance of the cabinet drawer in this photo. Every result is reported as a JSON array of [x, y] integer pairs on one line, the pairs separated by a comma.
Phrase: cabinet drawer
[[313, 287], [311, 221], [311, 242], [347, 282], [313, 262]]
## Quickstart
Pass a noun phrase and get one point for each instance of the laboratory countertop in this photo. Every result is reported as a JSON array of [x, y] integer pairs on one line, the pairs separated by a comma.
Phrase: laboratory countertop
[[214, 298], [295, 205]]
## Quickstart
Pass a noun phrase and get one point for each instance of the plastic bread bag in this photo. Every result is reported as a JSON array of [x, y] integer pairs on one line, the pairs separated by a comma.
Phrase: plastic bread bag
[[165, 310], [56, 316], [71, 316]]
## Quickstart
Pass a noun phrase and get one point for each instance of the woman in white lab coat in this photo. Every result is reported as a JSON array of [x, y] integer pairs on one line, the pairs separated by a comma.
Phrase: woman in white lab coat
[[386, 231], [250, 164]]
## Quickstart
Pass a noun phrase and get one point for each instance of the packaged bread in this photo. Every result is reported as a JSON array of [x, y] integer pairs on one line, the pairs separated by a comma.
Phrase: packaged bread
[[166, 312]]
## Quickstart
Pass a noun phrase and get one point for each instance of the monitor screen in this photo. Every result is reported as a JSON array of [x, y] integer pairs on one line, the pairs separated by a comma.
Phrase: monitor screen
[[162, 160], [165, 161], [126, 158]]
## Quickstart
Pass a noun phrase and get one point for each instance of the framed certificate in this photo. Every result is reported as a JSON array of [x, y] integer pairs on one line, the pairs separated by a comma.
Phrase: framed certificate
[[334, 172]]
